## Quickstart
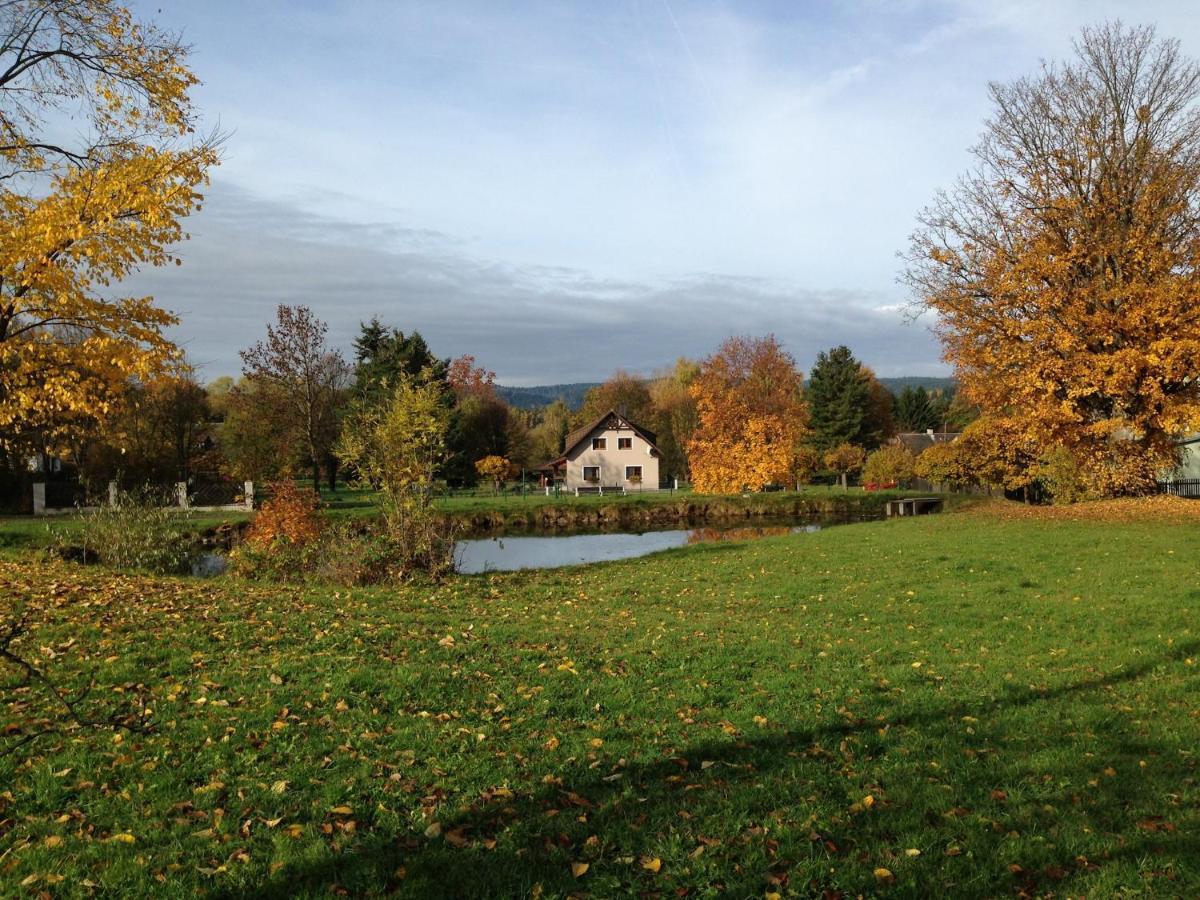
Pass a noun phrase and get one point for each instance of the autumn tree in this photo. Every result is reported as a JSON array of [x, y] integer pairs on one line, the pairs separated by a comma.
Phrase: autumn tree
[[1064, 267], [675, 416], [879, 422], [480, 421], [844, 460], [396, 444], [838, 394], [890, 463], [549, 433], [752, 415], [306, 375], [98, 166], [260, 438], [623, 392], [494, 469], [945, 465]]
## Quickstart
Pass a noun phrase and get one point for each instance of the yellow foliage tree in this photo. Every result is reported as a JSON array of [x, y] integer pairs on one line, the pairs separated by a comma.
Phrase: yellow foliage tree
[[752, 416], [845, 459], [494, 468], [77, 217], [890, 463], [1065, 267]]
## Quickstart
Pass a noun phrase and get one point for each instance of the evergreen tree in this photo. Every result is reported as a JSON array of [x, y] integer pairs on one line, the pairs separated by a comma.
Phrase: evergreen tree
[[839, 399], [382, 355], [916, 410]]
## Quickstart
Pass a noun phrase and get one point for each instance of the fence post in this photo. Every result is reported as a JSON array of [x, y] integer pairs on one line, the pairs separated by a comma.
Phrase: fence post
[[39, 498], [112, 493], [181, 497], [248, 491]]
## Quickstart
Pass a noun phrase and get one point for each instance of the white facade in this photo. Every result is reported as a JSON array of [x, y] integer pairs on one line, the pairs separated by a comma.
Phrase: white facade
[[612, 455]]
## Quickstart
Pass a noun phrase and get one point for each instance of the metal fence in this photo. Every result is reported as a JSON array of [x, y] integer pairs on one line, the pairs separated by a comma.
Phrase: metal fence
[[1183, 488]]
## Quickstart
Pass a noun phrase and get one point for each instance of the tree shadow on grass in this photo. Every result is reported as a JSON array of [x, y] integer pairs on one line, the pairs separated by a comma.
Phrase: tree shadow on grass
[[739, 815]]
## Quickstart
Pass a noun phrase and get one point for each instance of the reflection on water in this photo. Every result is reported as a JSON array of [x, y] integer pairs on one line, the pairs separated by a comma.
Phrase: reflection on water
[[507, 554]]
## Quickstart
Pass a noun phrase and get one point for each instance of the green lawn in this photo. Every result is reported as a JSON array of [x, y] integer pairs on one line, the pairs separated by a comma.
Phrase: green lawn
[[977, 707]]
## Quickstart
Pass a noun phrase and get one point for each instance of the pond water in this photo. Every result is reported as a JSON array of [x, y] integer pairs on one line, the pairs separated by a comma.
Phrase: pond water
[[508, 554]]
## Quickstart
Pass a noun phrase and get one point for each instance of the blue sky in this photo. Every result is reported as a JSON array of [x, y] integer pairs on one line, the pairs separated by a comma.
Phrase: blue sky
[[562, 189]]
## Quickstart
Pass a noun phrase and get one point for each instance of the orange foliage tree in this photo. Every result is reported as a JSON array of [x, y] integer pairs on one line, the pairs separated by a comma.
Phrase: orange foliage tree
[[844, 459], [1064, 268], [752, 416]]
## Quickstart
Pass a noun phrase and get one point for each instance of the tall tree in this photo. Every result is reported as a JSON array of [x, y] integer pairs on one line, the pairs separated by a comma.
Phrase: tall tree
[[675, 415], [1065, 266], [915, 410], [97, 168], [879, 420], [752, 414], [549, 434], [297, 362], [838, 395], [627, 394], [383, 355]]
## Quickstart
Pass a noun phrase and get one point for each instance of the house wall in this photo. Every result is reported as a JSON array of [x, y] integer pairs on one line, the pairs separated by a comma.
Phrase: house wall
[[612, 462]]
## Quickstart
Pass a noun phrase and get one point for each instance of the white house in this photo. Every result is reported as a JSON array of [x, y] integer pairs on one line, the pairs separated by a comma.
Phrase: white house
[[611, 452]]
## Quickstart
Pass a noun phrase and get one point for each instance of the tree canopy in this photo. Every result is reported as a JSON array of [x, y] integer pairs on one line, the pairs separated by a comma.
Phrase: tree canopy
[[82, 207], [1064, 267]]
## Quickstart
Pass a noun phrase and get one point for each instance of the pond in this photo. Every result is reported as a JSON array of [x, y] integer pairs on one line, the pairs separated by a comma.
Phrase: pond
[[508, 554]]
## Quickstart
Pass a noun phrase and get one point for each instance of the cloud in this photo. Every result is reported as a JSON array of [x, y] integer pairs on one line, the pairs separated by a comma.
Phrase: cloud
[[531, 324]]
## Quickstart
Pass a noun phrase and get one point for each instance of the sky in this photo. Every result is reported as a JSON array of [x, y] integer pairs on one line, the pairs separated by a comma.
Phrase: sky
[[564, 189]]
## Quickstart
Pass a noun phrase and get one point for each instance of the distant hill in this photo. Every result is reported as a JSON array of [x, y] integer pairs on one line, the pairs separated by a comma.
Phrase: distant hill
[[545, 394], [572, 394], [896, 385]]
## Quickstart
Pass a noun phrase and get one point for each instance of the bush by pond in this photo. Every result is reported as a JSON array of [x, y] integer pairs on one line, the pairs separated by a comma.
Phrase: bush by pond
[[140, 532]]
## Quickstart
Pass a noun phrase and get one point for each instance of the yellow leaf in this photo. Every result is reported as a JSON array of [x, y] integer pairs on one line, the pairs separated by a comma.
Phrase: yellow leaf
[[579, 869], [912, 851], [651, 863], [279, 787], [341, 810], [868, 801], [53, 841], [884, 875], [124, 838]]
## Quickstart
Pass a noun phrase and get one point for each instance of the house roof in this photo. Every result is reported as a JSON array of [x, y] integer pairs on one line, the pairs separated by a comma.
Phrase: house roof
[[576, 437], [917, 441]]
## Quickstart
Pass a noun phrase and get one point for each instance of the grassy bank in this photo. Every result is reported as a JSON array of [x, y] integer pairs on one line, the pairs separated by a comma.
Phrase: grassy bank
[[957, 704], [514, 511]]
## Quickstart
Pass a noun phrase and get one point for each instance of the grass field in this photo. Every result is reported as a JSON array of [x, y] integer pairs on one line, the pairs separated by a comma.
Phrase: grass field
[[959, 704]]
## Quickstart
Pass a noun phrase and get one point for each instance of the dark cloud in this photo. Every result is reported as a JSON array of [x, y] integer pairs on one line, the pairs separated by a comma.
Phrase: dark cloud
[[530, 324]]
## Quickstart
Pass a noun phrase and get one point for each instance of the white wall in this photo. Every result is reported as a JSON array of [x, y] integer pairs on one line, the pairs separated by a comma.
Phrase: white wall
[[612, 461]]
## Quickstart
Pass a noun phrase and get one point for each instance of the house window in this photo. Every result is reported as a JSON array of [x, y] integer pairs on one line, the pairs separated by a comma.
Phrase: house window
[[633, 473], [624, 443], [591, 473], [599, 444]]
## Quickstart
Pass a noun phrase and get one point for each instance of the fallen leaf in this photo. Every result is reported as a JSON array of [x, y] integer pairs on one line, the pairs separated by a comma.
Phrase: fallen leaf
[[651, 863], [579, 869]]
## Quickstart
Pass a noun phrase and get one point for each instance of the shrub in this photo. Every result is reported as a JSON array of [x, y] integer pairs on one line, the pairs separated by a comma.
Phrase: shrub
[[893, 463], [291, 516], [140, 532]]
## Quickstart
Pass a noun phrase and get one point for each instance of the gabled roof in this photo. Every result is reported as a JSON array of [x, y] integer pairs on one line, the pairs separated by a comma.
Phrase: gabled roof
[[576, 437], [916, 441]]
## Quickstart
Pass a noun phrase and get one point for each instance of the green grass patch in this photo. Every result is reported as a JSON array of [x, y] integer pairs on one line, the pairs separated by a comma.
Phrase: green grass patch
[[1017, 700]]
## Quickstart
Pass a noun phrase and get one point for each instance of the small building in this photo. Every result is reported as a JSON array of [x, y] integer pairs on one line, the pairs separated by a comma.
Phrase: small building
[[610, 453]]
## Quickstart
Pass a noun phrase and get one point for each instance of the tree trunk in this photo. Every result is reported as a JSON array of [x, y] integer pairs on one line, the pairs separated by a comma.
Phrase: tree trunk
[[331, 468], [316, 475]]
